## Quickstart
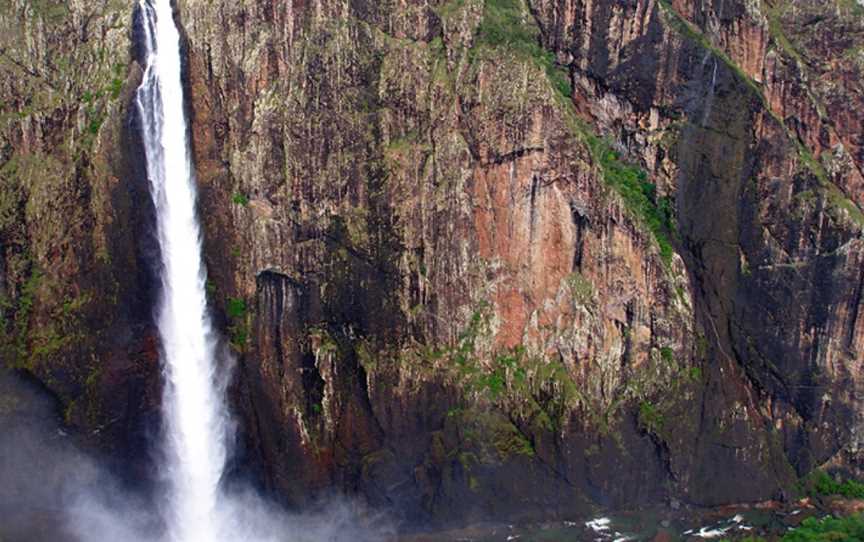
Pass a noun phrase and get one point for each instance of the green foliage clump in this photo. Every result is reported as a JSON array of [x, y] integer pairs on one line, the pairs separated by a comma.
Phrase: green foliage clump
[[667, 355], [235, 307], [239, 336], [504, 24], [508, 24], [240, 199], [490, 382], [543, 387], [830, 529], [14, 343], [823, 484], [94, 125], [639, 195], [239, 328], [115, 88], [694, 374], [650, 417], [24, 345]]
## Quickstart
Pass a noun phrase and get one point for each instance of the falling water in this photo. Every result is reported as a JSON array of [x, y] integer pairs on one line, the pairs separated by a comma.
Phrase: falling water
[[193, 400], [709, 99]]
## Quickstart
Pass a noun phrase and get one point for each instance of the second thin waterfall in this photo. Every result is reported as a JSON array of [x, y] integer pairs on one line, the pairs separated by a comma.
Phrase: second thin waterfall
[[193, 403]]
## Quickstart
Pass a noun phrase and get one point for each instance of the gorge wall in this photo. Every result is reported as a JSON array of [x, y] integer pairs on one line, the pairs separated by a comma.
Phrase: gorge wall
[[476, 259]]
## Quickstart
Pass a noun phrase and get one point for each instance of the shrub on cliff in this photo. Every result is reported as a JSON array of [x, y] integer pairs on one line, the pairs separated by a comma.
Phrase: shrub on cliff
[[849, 529], [830, 529], [821, 483]]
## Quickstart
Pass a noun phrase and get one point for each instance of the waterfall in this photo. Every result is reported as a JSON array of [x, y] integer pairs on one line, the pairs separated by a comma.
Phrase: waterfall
[[709, 99], [193, 403]]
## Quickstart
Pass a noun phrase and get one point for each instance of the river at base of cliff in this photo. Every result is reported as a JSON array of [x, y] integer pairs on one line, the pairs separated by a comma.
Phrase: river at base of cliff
[[769, 520]]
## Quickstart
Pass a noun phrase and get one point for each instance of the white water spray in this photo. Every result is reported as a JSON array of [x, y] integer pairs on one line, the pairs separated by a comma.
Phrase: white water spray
[[193, 404]]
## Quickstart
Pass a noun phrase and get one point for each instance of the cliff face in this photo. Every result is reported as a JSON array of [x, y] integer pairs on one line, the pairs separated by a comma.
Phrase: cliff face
[[75, 297], [765, 180], [476, 259]]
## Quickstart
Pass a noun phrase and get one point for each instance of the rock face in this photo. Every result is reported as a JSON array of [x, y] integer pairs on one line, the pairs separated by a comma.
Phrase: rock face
[[75, 291], [477, 259]]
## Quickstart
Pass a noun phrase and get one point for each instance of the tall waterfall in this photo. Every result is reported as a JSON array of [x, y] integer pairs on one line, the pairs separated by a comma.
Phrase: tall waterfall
[[193, 403]]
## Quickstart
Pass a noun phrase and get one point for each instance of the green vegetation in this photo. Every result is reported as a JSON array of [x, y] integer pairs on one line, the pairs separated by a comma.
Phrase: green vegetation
[[639, 195], [25, 345], [115, 88], [490, 382], [512, 442], [239, 336], [823, 484], [508, 24], [239, 328], [830, 529], [449, 9], [667, 355], [95, 106], [507, 372], [235, 307], [404, 143], [94, 125], [74, 76], [650, 417], [541, 389], [95, 112], [694, 374], [21, 326], [240, 199]]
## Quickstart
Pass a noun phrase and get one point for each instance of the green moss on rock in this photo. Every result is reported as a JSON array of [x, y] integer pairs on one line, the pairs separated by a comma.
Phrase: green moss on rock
[[639, 196], [508, 24]]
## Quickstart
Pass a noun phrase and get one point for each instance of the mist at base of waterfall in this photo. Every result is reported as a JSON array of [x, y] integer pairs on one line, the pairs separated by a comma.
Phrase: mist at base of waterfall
[[54, 490], [240, 516]]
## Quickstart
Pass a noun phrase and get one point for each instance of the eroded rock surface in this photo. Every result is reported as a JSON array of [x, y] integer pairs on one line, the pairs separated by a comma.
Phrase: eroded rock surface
[[476, 259]]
